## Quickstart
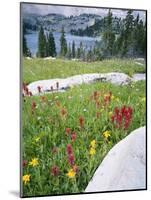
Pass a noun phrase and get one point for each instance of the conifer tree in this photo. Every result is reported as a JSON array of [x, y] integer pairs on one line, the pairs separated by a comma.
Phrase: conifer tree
[[26, 51], [73, 50], [108, 35], [69, 54], [42, 46], [51, 45], [63, 43], [128, 31]]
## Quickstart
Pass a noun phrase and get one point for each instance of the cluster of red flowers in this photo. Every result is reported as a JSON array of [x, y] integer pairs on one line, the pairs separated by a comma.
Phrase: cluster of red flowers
[[63, 112], [55, 170], [72, 134], [33, 106], [70, 154], [95, 97], [107, 98], [26, 91], [122, 117], [24, 163], [39, 89], [81, 121]]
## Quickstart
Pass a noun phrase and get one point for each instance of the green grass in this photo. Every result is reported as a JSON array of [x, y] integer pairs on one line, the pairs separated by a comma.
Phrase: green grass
[[47, 124], [39, 69]]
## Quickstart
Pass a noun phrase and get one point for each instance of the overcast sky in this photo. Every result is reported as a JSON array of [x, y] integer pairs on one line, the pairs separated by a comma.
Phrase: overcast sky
[[67, 10]]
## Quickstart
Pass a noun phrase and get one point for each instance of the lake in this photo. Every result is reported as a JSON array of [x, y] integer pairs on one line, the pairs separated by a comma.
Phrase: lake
[[32, 41]]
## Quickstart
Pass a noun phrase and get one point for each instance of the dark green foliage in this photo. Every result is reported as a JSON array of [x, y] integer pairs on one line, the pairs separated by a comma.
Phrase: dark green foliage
[[132, 40], [73, 50], [26, 51], [51, 46], [69, 53], [42, 44], [108, 35], [63, 44]]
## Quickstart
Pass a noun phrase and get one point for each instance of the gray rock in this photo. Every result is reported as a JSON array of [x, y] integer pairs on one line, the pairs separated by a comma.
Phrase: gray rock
[[124, 166], [114, 78], [139, 77]]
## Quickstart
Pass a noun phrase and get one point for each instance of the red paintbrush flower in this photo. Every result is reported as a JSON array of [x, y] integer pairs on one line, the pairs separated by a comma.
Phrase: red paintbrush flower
[[68, 131], [73, 136], [24, 86], [39, 89], [69, 149], [122, 117], [26, 91], [24, 163], [81, 121], [33, 106], [63, 112], [30, 94], [71, 159], [54, 171]]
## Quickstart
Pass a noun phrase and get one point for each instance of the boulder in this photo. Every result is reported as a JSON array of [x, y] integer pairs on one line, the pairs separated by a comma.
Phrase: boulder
[[64, 84], [124, 167]]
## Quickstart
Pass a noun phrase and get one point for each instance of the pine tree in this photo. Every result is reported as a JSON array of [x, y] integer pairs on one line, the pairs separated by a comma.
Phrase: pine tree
[[63, 43], [78, 53], [42, 46], [73, 50], [108, 35], [128, 31], [89, 55], [81, 50], [51, 45], [26, 51], [69, 54]]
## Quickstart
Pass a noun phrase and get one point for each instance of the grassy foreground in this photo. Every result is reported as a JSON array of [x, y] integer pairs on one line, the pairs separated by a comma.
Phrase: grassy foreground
[[66, 135], [39, 69]]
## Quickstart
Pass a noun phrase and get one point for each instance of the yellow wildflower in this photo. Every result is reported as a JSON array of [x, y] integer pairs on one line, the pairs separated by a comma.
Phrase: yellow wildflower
[[26, 178], [106, 134], [34, 162], [71, 173], [93, 143], [92, 151]]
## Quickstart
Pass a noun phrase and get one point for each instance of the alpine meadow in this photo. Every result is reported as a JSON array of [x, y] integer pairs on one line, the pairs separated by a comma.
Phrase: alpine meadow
[[83, 92]]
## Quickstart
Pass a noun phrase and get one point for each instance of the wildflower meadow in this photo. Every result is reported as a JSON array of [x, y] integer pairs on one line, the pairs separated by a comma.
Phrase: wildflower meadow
[[65, 136]]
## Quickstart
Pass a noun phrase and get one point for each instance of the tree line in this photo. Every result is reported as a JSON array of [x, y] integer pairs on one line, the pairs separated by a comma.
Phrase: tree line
[[129, 41]]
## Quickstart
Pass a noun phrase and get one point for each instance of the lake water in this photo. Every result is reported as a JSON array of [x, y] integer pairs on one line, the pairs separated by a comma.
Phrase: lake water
[[32, 41]]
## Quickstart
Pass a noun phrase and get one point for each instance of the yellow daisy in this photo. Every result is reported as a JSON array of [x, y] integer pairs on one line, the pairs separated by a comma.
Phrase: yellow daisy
[[71, 173], [93, 143], [106, 134], [34, 162], [26, 178], [92, 151]]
